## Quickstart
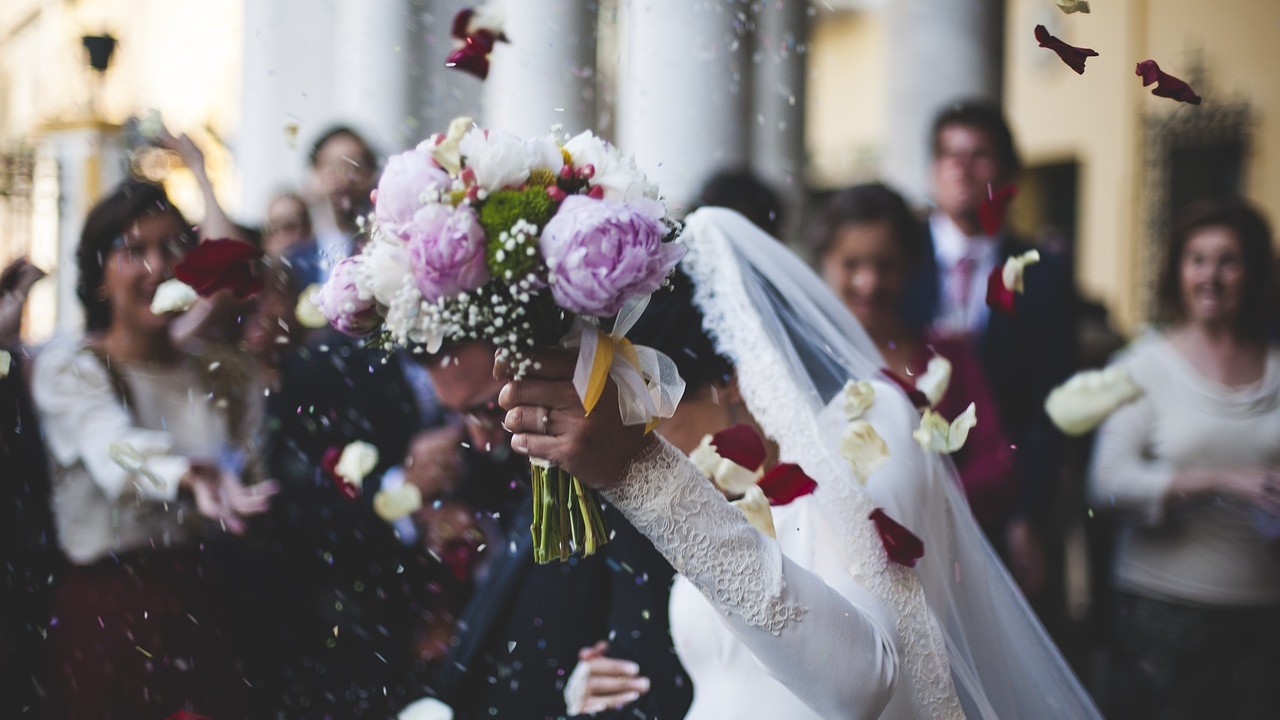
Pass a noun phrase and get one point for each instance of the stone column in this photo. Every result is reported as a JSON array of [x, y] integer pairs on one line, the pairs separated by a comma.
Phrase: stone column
[[546, 74], [939, 52], [778, 97], [439, 93], [371, 59], [683, 90]]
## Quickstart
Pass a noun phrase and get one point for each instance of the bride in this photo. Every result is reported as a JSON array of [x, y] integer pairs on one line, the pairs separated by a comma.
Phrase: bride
[[819, 623]]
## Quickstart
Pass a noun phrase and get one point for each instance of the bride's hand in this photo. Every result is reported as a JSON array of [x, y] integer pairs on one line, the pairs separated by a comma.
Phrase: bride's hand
[[599, 682], [545, 417]]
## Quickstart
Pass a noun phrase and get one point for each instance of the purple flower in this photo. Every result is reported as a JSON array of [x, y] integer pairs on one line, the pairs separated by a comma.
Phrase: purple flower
[[446, 251], [343, 304], [404, 181], [602, 253]]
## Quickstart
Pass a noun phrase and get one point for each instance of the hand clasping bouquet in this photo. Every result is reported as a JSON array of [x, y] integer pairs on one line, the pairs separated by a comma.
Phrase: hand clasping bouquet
[[523, 243]]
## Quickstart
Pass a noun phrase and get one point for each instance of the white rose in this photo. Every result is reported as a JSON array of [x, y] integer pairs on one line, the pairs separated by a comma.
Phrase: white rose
[[729, 476], [391, 504], [358, 459], [755, 506], [426, 709], [1015, 266], [385, 269], [936, 435], [173, 295], [1089, 397], [499, 159], [864, 449], [859, 396], [935, 380]]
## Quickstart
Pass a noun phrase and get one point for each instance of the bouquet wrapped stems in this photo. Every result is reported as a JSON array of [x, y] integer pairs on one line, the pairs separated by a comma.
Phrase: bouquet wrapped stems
[[567, 517]]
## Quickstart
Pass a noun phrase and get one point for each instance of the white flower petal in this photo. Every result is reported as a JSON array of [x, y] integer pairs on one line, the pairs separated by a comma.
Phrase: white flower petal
[[755, 506], [6, 360], [307, 310], [727, 475], [446, 151], [864, 449], [173, 295], [859, 396], [1089, 397], [936, 379], [358, 459], [391, 504], [935, 434], [1015, 266]]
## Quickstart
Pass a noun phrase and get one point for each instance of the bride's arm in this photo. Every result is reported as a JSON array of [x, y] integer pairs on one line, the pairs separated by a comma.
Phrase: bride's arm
[[830, 646]]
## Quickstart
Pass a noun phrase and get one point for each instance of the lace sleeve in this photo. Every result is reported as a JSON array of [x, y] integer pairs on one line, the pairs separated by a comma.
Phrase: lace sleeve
[[805, 632]]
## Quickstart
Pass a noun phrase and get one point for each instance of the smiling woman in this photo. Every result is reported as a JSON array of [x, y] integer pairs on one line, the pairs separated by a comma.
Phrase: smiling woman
[[145, 454]]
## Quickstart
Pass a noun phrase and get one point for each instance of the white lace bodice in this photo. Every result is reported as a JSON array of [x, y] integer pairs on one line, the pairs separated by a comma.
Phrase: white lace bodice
[[822, 636]]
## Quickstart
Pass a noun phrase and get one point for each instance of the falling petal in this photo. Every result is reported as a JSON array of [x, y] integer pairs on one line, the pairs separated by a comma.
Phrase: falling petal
[[1073, 6], [994, 207], [935, 379], [173, 295], [902, 545], [1089, 397], [740, 444], [391, 504], [785, 483], [863, 448], [1073, 56], [6, 360], [936, 435], [859, 396], [221, 264], [1166, 85]]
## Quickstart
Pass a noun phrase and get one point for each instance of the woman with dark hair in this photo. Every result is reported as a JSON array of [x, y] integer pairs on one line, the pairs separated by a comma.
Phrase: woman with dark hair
[[147, 449], [868, 246], [1194, 465], [822, 617]]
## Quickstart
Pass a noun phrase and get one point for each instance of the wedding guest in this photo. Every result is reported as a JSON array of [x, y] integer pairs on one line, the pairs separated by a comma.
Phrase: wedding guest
[[1022, 355], [15, 284], [743, 191], [145, 453], [344, 171], [868, 245], [520, 635], [288, 224], [1194, 466]]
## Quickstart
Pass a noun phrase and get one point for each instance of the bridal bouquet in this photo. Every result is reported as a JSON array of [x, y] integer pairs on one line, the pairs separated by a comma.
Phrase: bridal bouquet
[[522, 243]]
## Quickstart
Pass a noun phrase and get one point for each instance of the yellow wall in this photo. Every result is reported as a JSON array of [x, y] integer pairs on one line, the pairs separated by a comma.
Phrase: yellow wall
[[845, 117]]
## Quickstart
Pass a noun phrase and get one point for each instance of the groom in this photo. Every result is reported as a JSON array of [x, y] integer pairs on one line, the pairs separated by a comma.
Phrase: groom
[[519, 638]]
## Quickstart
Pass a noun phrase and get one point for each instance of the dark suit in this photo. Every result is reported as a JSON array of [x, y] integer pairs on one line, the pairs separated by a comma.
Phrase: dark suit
[[519, 639], [1023, 357]]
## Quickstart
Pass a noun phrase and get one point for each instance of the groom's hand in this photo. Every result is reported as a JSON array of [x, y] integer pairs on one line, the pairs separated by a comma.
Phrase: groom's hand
[[600, 683]]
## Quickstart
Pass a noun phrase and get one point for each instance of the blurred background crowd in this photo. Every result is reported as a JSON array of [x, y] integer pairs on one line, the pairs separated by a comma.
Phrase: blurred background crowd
[[862, 133]]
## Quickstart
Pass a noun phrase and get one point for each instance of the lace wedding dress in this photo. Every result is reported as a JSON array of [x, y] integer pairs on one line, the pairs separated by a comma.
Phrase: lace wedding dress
[[819, 623]]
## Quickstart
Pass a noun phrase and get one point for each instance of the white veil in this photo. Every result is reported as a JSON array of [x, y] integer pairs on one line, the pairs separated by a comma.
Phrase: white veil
[[794, 346]]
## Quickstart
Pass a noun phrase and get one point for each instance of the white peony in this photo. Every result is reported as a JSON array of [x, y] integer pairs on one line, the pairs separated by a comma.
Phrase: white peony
[[545, 154], [614, 173], [173, 295], [729, 476], [864, 449], [859, 396], [391, 504], [1089, 397], [499, 159], [358, 459], [1014, 268], [385, 269], [755, 506], [936, 379], [935, 434]]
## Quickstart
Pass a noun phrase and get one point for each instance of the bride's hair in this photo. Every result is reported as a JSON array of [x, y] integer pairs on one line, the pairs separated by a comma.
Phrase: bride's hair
[[673, 325]]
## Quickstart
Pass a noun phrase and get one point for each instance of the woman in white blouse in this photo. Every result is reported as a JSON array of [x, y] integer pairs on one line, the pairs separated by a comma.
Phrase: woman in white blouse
[[1194, 466], [147, 451]]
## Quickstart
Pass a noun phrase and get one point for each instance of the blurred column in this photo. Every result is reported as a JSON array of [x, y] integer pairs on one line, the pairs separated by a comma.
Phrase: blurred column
[[285, 94], [439, 93], [371, 71], [939, 52], [546, 74], [777, 137], [683, 91]]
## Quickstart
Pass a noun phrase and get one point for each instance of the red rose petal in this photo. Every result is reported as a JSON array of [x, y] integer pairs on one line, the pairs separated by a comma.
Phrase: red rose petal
[[460, 23], [1167, 86], [740, 444], [785, 483], [917, 398], [999, 297], [329, 466], [470, 59], [1073, 56], [902, 546], [994, 207], [222, 264]]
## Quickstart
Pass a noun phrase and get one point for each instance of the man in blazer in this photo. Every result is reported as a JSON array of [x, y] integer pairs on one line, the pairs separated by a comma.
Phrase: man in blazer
[[1023, 355], [519, 639]]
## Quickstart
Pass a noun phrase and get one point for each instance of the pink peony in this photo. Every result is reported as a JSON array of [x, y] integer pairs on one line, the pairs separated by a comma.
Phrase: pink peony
[[446, 251], [343, 304], [404, 181], [602, 253]]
